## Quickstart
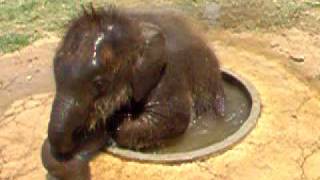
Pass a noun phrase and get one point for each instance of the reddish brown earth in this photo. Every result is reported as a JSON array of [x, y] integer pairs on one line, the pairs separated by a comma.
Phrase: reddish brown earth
[[284, 145]]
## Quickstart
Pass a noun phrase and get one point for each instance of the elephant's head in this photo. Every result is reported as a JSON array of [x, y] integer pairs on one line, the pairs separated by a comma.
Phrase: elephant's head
[[94, 60]]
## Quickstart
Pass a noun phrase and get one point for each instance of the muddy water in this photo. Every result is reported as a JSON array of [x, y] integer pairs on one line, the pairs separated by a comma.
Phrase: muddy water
[[210, 129]]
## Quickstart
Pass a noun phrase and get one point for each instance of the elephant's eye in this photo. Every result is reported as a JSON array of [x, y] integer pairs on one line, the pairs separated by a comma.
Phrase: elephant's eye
[[98, 84]]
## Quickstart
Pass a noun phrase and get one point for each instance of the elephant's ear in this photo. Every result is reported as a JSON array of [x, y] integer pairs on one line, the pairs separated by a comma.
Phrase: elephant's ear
[[150, 66]]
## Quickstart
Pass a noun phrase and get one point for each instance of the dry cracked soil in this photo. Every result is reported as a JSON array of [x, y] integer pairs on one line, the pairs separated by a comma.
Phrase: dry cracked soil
[[285, 144]]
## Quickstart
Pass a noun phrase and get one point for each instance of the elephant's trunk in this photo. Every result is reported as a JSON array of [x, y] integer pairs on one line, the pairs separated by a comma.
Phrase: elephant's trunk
[[67, 115]]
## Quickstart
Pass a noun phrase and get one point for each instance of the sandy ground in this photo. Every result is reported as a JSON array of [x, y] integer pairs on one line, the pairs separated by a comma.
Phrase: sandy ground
[[284, 145]]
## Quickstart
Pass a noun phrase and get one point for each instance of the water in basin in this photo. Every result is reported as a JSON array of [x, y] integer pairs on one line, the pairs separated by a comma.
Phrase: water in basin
[[209, 129]]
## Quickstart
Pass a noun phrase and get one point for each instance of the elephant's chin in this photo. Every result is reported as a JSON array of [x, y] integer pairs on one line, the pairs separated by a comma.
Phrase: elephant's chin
[[106, 105]]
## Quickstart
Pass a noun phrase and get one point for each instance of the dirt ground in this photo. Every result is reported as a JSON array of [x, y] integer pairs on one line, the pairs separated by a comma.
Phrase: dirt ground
[[284, 67]]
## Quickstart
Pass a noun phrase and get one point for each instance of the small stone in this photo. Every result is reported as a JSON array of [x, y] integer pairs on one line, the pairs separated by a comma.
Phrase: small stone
[[211, 12], [29, 77], [274, 44], [283, 50], [40, 96], [8, 113], [17, 103], [31, 104], [18, 109], [294, 116], [297, 58]]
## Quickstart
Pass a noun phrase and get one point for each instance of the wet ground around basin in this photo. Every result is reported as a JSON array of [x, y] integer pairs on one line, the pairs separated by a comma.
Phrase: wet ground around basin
[[284, 145]]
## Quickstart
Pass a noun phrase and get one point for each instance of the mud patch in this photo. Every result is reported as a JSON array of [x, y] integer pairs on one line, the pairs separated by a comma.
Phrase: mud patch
[[284, 145], [27, 72], [23, 127]]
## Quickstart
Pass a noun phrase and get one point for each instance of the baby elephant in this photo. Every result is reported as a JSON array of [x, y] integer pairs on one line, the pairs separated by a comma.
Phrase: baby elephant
[[134, 77]]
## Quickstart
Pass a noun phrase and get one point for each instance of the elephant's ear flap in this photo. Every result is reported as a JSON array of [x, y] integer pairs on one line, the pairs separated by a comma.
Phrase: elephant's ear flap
[[154, 39], [149, 67]]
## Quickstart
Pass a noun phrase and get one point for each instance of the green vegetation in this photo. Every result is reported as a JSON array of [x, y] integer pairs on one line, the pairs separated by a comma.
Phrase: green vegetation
[[11, 42], [252, 14], [24, 21]]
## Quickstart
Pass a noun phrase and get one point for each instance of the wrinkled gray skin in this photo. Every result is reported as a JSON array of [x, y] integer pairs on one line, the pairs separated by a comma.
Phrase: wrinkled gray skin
[[110, 62]]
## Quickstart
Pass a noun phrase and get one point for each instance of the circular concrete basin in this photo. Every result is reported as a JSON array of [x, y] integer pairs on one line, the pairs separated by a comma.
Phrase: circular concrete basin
[[178, 155]]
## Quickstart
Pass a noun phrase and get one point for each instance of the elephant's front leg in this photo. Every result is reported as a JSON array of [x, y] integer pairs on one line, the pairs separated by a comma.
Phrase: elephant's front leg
[[159, 120]]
